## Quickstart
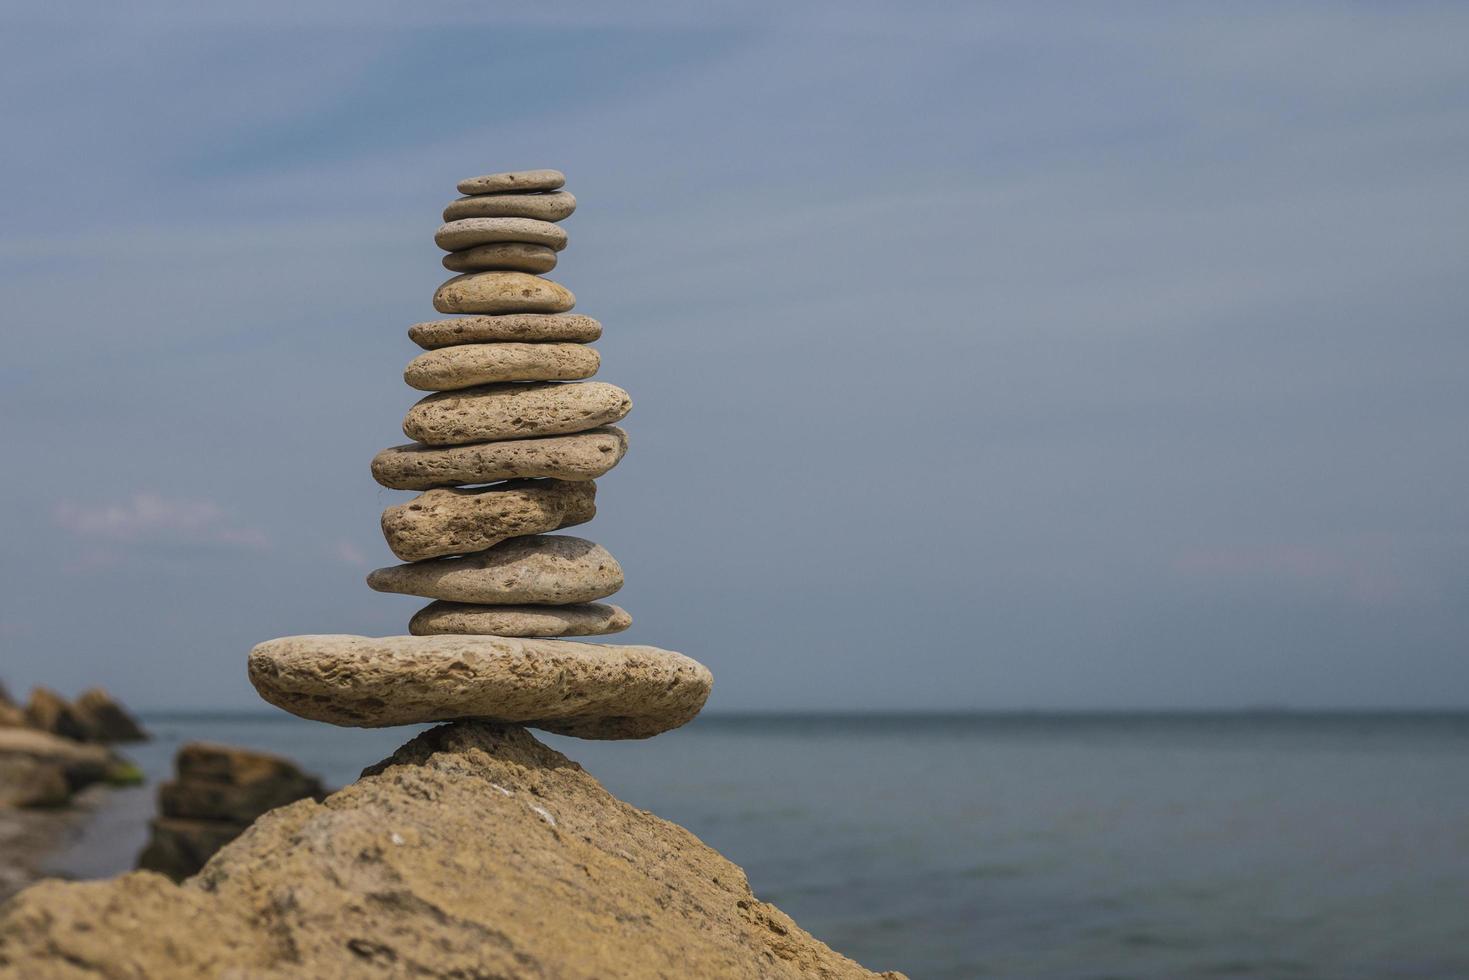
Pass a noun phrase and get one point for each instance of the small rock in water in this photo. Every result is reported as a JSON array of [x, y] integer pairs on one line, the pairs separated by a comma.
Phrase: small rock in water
[[502, 256], [579, 456], [513, 180], [502, 292], [467, 365], [514, 411], [469, 232], [462, 618], [551, 206], [526, 327], [455, 522], [538, 570]]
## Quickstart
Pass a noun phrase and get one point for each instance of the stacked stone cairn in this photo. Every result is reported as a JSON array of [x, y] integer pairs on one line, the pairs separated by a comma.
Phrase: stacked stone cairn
[[506, 448]]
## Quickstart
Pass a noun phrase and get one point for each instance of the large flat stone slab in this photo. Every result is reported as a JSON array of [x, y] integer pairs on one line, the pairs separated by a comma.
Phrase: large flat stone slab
[[502, 256], [548, 206], [584, 689], [467, 365], [524, 327], [579, 456], [513, 180], [540, 570], [514, 411], [456, 522], [469, 232], [466, 619], [502, 292]]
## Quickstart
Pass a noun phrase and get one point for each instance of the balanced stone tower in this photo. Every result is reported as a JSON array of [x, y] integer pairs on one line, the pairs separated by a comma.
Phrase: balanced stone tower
[[506, 448]]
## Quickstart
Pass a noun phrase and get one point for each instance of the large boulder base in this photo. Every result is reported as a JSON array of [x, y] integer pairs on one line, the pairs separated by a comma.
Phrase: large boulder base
[[474, 851]]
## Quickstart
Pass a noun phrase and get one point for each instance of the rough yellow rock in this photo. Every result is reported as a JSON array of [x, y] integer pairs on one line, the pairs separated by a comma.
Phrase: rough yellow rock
[[467, 365], [579, 456], [514, 411], [542, 569], [465, 619], [465, 233], [502, 292], [526, 327], [550, 206], [456, 522], [513, 180], [504, 256]]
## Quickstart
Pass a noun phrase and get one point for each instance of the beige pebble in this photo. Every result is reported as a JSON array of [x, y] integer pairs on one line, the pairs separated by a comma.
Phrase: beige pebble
[[513, 180], [502, 292], [455, 522], [553, 570], [461, 618], [581, 456], [527, 327], [469, 232], [514, 411], [552, 206], [502, 256], [466, 365]]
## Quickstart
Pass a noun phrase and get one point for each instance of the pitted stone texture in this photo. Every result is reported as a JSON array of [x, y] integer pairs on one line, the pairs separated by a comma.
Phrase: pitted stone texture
[[513, 180], [544, 570], [583, 689], [456, 522], [502, 292], [552, 206], [469, 232], [521, 327], [581, 456], [502, 256], [467, 365], [464, 619], [514, 411]]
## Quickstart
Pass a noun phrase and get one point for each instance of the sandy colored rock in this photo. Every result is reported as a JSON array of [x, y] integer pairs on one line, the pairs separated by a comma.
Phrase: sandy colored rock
[[48, 711], [456, 522], [474, 851], [82, 764], [513, 180], [464, 619], [508, 256], [467, 365], [178, 848], [580, 456], [550, 206], [523, 327], [106, 720], [471, 232], [502, 292], [32, 783], [590, 690], [514, 411], [236, 785], [537, 570]]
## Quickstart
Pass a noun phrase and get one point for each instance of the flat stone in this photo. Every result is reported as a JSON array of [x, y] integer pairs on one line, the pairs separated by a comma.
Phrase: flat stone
[[504, 257], [502, 292], [514, 411], [543, 570], [522, 327], [467, 365], [464, 619], [469, 232], [456, 522], [590, 690], [582, 456], [551, 206], [513, 180]]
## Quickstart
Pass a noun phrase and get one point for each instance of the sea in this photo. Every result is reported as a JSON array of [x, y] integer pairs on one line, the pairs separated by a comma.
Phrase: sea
[[1108, 846]]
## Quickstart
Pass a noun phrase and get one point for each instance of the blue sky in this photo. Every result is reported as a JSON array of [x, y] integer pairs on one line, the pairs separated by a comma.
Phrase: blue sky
[[992, 356]]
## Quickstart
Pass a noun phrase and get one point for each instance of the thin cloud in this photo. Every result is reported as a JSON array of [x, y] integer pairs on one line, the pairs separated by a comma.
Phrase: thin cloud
[[150, 517]]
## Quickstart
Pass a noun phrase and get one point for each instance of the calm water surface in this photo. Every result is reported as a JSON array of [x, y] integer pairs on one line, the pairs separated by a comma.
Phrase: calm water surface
[[1017, 846]]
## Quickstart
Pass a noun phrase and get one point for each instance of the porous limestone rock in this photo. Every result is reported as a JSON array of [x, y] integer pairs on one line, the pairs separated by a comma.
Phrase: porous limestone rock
[[513, 180], [502, 292], [474, 851], [470, 232], [467, 365], [590, 690], [510, 256], [551, 206], [580, 456], [538, 570], [514, 411], [454, 521], [526, 327], [464, 619]]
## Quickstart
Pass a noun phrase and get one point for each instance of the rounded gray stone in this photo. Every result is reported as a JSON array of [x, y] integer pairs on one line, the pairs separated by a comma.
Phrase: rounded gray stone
[[455, 522], [513, 180], [467, 365], [590, 690], [502, 257], [550, 206], [502, 292], [543, 570], [581, 456], [464, 619], [525, 327], [469, 232], [514, 411]]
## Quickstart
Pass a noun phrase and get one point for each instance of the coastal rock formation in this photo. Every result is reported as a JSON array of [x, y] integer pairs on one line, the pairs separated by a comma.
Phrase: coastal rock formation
[[47, 711], [80, 764], [106, 720], [11, 714], [474, 851]]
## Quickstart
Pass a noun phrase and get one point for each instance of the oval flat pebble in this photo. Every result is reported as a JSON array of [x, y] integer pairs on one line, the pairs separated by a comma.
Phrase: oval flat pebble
[[514, 411], [502, 292], [552, 570], [469, 232], [552, 206], [466, 365], [529, 327], [502, 256], [455, 522], [582, 456], [464, 619], [513, 180]]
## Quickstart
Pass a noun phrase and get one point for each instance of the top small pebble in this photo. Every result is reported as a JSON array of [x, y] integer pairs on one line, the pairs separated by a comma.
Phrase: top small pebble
[[517, 180]]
